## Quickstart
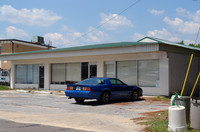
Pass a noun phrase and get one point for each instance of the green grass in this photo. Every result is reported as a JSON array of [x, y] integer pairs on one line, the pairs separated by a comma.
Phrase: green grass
[[4, 87], [158, 122], [161, 98]]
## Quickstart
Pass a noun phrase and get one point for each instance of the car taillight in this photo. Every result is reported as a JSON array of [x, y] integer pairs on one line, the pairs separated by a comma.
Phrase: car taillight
[[87, 89], [69, 88]]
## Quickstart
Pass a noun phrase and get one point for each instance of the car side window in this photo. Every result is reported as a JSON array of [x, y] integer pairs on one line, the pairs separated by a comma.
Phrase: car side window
[[115, 82], [100, 81]]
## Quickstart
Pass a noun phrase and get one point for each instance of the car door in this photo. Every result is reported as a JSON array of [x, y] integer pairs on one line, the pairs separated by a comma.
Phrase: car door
[[118, 89]]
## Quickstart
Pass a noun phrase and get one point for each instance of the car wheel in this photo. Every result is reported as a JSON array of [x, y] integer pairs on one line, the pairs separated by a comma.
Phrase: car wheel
[[134, 95], [105, 98], [79, 100]]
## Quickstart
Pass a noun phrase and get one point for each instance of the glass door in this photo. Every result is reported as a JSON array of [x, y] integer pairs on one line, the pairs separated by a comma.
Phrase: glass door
[[92, 70], [41, 76]]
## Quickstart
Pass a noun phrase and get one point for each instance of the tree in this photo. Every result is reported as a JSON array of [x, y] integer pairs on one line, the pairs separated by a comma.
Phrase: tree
[[192, 45], [182, 42]]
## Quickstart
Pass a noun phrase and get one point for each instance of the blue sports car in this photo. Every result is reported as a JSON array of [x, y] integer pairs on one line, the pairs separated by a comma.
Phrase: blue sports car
[[102, 89]]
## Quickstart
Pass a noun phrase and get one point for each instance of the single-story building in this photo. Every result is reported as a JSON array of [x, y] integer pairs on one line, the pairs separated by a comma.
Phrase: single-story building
[[155, 65]]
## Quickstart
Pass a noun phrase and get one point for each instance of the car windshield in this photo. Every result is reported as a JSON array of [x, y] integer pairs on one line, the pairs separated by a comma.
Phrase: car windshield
[[92, 81]]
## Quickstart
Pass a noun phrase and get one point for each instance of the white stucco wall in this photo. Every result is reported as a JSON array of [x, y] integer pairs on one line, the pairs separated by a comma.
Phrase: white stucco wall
[[100, 60], [58, 87], [25, 86]]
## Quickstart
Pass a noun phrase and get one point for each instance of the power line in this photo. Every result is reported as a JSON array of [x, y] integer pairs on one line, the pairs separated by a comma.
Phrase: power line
[[107, 21], [197, 36]]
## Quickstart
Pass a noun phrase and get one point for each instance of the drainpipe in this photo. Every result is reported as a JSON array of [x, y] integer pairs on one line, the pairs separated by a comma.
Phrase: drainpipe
[[12, 46]]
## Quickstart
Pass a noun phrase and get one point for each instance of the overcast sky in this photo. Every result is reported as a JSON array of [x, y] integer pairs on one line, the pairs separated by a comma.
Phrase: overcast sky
[[73, 22]]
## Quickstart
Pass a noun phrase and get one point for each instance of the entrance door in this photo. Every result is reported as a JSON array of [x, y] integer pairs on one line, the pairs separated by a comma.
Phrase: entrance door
[[92, 70], [41, 76]]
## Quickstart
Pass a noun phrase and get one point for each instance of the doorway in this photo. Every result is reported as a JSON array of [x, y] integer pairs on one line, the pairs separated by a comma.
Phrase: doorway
[[92, 70], [41, 76]]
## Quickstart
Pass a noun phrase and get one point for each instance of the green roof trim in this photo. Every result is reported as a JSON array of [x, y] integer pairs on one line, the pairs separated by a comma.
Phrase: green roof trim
[[170, 43], [86, 47]]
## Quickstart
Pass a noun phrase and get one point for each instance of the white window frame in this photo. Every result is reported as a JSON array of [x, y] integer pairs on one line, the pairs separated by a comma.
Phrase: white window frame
[[111, 62]]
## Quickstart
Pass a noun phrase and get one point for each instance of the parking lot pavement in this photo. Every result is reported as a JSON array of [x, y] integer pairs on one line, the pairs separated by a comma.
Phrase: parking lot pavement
[[57, 110], [10, 126]]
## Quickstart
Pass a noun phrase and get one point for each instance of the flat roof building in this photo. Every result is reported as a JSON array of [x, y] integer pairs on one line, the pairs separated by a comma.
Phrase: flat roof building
[[9, 46], [157, 66]]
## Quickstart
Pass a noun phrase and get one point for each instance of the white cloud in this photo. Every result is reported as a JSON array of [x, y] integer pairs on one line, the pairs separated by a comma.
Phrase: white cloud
[[162, 34], [58, 40], [159, 33], [187, 27], [74, 38], [176, 22], [64, 28], [189, 41], [13, 32], [114, 21], [156, 12], [138, 36], [34, 17], [195, 17], [96, 35]]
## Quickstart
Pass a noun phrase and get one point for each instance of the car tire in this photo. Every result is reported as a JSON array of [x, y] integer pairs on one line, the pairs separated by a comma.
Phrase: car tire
[[134, 95], [105, 98], [79, 100]]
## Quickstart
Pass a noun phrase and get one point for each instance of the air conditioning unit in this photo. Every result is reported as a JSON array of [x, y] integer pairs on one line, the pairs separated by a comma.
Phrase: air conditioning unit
[[38, 39]]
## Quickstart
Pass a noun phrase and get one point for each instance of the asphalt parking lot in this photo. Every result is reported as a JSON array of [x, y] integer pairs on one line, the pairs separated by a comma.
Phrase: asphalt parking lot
[[58, 111]]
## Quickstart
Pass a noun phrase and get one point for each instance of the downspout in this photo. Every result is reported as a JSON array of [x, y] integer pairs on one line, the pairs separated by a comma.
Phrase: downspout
[[12, 46]]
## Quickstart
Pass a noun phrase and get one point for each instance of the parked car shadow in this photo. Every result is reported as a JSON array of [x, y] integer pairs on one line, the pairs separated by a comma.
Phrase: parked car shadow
[[113, 102]]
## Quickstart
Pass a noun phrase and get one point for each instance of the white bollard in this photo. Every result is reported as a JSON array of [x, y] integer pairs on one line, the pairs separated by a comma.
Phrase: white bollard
[[177, 119]]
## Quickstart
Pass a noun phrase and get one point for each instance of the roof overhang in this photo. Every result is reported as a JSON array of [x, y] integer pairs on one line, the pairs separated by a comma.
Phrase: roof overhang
[[81, 52]]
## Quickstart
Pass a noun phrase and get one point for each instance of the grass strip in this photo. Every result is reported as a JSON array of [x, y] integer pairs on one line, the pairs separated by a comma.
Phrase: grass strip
[[4, 87], [158, 122]]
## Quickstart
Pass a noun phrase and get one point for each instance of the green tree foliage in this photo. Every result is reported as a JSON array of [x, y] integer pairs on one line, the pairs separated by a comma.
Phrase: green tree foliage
[[191, 44], [182, 42]]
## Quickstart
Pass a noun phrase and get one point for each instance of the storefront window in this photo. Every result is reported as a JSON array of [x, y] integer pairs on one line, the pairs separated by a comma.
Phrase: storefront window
[[27, 74], [148, 73], [21, 74], [73, 72], [144, 73], [127, 72], [58, 73], [110, 69], [66, 73]]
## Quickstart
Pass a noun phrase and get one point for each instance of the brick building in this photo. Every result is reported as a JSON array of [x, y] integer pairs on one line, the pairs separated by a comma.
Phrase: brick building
[[9, 46]]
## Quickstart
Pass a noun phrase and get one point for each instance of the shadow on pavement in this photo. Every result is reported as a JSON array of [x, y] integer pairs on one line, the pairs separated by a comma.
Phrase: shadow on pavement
[[113, 102], [11, 126]]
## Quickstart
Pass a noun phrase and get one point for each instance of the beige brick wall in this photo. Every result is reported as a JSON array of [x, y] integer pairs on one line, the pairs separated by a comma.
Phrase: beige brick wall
[[24, 48], [6, 48]]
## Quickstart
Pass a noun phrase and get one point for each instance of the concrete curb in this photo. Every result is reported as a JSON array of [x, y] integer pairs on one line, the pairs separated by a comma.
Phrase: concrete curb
[[23, 91], [42, 92]]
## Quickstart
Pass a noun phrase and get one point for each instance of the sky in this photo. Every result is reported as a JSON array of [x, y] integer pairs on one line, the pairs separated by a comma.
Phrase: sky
[[68, 23]]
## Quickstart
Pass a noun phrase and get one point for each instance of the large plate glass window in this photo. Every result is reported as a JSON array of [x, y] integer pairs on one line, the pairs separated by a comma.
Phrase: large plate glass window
[[21, 74], [35, 74], [58, 73], [73, 72], [27, 74], [148, 73], [127, 72], [110, 69]]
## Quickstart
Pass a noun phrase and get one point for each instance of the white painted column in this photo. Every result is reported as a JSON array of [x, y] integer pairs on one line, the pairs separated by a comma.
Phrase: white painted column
[[164, 76], [12, 75], [47, 76], [100, 68]]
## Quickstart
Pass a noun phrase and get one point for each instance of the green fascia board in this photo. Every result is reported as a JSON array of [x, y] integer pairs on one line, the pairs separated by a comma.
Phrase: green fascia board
[[87, 47], [162, 41]]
